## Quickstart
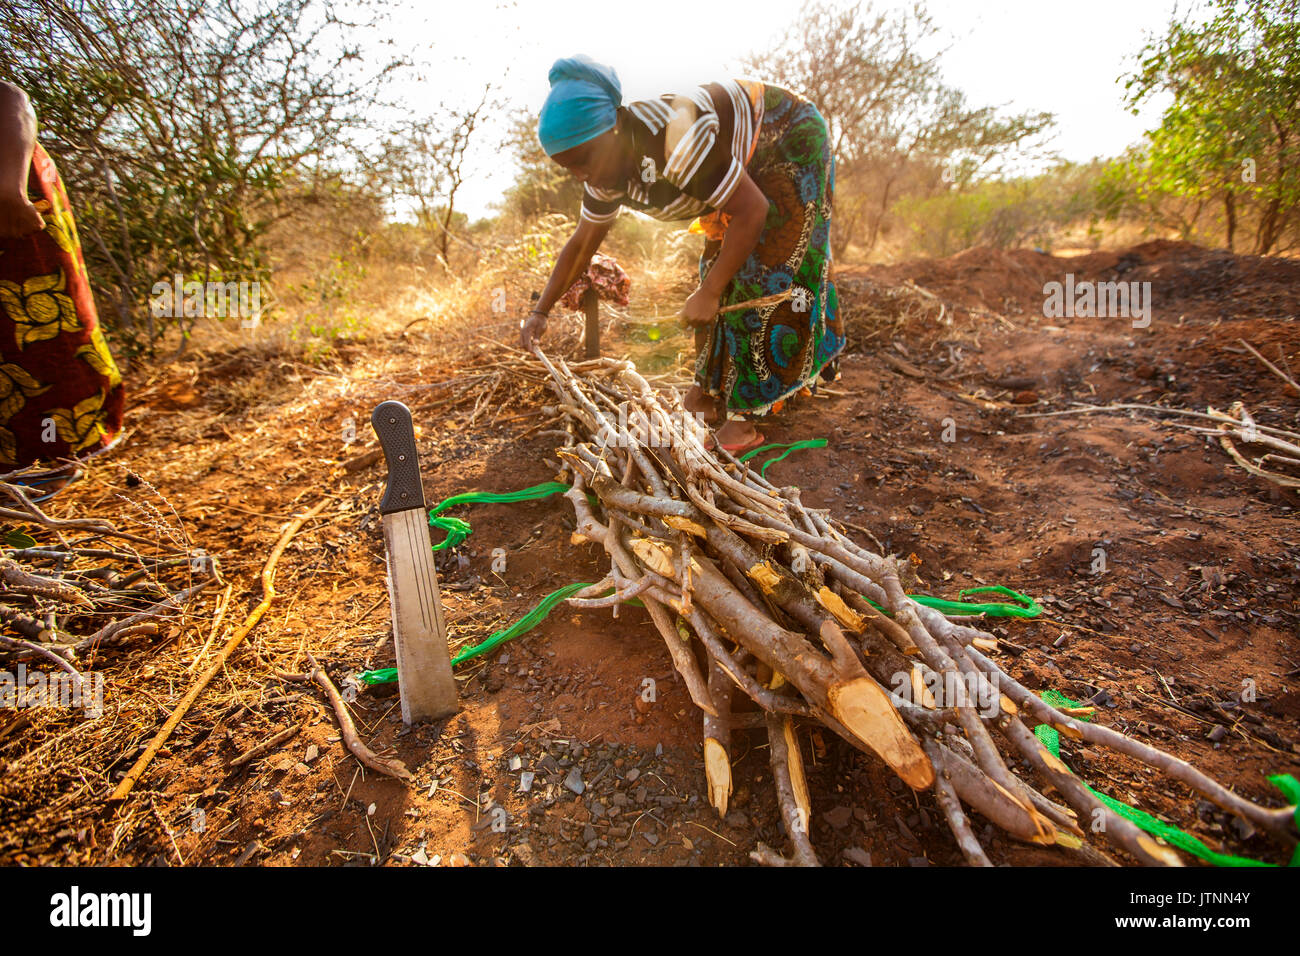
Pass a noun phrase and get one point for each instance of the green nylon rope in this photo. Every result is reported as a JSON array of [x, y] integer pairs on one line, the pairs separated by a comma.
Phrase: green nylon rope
[[543, 490], [387, 675], [1050, 738], [1032, 608], [788, 446], [458, 529], [525, 624]]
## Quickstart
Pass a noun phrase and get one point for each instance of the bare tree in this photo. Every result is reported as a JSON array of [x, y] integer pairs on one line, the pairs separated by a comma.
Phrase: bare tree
[[425, 162], [893, 121]]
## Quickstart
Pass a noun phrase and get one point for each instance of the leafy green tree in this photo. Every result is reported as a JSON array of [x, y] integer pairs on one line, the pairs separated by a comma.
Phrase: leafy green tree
[[1036, 210], [178, 125], [1231, 134]]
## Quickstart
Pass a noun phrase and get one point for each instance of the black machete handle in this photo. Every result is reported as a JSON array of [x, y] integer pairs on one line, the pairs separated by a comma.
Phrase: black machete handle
[[392, 423]]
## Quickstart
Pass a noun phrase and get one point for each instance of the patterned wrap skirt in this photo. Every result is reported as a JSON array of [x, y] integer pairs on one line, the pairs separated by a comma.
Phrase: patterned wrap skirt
[[757, 358], [60, 390]]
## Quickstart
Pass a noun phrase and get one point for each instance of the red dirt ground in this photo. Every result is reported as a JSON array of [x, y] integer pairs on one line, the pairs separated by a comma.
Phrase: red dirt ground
[[1198, 594]]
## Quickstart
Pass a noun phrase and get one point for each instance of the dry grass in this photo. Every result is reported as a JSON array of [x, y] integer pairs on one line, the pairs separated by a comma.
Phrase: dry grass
[[249, 423], [60, 760]]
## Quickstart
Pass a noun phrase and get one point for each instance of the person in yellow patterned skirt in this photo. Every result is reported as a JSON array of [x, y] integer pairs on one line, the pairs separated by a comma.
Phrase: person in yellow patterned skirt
[[60, 390]]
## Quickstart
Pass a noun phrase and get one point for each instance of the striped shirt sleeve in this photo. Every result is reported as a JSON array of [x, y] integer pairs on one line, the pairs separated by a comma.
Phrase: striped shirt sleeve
[[600, 205], [699, 161]]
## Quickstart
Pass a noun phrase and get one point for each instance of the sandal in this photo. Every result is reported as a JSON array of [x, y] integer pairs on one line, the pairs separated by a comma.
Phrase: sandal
[[738, 449]]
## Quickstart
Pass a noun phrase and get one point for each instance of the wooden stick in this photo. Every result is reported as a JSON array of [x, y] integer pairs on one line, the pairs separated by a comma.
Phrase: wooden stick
[[758, 303], [794, 815], [1085, 409], [591, 308], [16, 579], [958, 822], [178, 714], [1272, 368], [31, 512], [348, 729], [1284, 481], [117, 628], [1280, 822], [223, 604], [265, 746], [717, 740], [41, 651]]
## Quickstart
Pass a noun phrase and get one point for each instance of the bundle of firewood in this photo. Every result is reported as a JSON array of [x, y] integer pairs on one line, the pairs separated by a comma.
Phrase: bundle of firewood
[[755, 593]]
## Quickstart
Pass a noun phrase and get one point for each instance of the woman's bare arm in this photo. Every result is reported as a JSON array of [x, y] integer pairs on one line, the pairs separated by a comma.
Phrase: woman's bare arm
[[748, 211], [571, 263], [18, 217]]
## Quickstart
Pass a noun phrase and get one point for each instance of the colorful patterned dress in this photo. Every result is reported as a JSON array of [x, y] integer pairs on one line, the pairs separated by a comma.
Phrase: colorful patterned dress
[[60, 390], [693, 149]]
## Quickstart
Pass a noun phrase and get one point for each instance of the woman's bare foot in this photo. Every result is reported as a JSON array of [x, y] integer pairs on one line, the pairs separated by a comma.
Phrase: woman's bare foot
[[737, 433], [701, 404]]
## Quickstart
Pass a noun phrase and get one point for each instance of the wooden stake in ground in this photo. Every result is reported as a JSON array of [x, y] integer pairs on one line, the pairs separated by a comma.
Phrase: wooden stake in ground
[[177, 715], [591, 308]]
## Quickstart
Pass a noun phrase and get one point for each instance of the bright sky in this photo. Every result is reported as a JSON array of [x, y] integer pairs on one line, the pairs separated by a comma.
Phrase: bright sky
[[1062, 57]]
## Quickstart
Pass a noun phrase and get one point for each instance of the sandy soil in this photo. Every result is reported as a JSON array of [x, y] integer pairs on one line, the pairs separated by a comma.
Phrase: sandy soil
[[1197, 600]]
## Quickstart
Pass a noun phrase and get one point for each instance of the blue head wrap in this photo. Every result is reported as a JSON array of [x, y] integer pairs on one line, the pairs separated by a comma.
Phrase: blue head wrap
[[582, 104]]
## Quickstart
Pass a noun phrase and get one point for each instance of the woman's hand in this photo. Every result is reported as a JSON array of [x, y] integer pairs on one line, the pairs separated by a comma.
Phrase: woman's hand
[[18, 217], [701, 307], [531, 329]]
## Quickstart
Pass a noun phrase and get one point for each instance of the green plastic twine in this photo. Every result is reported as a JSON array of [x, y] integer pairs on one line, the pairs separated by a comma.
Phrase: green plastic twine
[[1031, 609], [458, 529], [788, 446], [523, 625], [1290, 787], [386, 675]]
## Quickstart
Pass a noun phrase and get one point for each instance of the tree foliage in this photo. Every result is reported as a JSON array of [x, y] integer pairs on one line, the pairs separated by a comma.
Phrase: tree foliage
[[179, 124], [1231, 135], [1033, 211]]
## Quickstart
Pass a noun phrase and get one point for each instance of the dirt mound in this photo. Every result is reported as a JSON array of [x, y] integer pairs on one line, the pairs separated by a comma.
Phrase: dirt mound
[[981, 277], [1187, 281]]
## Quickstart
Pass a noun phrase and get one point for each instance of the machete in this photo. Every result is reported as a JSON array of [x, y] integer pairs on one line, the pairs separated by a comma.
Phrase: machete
[[424, 679]]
